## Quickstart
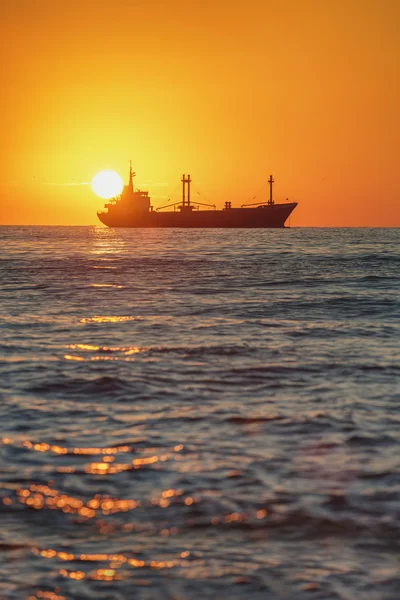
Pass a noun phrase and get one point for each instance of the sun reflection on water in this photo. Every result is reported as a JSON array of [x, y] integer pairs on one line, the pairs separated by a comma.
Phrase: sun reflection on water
[[106, 285], [124, 349], [45, 447], [106, 319], [46, 595], [105, 513], [107, 241], [107, 353]]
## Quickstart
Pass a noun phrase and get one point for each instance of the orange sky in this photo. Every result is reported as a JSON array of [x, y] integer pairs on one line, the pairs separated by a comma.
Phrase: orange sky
[[227, 91]]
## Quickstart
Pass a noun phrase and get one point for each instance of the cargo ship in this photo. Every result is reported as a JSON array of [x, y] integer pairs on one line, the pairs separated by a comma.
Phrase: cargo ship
[[133, 209]]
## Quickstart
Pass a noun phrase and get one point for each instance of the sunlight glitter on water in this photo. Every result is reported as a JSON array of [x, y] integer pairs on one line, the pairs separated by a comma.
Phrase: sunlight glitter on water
[[106, 319], [106, 285]]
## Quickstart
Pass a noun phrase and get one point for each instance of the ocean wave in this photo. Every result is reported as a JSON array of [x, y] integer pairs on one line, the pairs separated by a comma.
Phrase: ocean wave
[[241, 389]]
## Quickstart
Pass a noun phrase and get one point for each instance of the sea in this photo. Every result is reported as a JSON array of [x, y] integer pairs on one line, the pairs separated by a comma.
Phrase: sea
[[199, 414]]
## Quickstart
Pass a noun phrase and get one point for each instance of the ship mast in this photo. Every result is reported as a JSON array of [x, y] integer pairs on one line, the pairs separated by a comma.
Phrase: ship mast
[[270, 181], [131, 176], [185, 180]]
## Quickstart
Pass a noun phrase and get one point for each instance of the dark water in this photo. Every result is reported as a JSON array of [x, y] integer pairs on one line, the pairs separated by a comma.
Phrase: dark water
[[199, 414]]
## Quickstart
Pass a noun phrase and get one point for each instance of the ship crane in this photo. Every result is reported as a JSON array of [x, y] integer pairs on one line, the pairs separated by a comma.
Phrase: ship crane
[[186, 204]]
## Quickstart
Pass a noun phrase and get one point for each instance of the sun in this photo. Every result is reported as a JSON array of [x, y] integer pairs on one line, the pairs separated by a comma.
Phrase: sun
[[107, 184]]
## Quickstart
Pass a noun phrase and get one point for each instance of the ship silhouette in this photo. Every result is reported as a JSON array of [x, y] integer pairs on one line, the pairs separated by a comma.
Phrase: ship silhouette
[[133, 209]]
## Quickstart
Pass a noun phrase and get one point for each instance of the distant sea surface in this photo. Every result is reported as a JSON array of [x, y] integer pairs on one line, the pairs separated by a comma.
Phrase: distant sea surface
[[199, 414]]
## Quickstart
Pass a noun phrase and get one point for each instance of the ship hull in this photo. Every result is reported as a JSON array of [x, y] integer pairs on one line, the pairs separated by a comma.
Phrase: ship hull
[[273, 216]]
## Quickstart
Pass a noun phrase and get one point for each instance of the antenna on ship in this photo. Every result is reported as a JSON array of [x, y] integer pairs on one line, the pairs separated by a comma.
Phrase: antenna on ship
[[270, 181], [131, 176]]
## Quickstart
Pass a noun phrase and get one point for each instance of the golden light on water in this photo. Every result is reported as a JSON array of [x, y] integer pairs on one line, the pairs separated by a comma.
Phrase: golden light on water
[[106, 513], [107, 184], [106, 319], [42, 496], [107, 352], [109, 285]]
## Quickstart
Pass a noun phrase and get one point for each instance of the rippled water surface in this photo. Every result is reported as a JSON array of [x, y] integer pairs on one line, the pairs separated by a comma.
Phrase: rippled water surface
[[196, 414]]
